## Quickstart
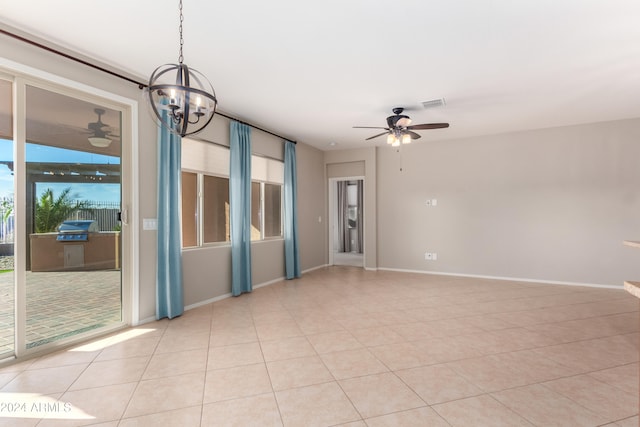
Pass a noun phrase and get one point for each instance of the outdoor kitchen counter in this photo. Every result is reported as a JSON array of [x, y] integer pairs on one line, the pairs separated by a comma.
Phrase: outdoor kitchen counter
[[99, 252]]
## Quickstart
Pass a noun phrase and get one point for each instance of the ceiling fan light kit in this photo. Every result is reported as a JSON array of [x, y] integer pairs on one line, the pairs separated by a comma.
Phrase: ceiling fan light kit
[[99, 142], [182, 99], [396, 138]]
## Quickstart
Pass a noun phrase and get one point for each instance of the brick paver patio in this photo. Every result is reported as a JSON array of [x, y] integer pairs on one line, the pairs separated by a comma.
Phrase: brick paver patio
[[60, 304]]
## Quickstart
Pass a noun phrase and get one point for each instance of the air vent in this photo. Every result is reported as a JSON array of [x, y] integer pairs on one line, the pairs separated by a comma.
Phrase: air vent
[[434, 103]]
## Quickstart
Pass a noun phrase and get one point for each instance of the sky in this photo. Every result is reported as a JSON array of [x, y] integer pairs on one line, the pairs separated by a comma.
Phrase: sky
[[41, 153]]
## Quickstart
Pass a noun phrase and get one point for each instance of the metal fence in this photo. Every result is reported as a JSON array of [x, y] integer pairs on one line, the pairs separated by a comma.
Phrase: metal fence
[[6, 217], [104, 213]]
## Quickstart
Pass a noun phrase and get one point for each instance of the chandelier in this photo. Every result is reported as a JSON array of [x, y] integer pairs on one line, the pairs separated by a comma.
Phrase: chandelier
[[182, 99]]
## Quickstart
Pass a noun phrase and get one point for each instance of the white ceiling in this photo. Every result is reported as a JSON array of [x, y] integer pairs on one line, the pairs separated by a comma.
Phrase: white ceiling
[[312, 71]]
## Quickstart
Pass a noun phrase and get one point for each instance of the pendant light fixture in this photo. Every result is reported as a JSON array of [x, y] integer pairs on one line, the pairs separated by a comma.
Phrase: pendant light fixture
[[182, 99]]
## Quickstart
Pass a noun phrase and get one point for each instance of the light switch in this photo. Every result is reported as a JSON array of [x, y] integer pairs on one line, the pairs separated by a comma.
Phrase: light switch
[[149, 223]]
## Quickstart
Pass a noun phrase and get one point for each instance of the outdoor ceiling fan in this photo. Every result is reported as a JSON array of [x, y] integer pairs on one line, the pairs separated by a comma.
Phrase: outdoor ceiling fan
[[399, 129], [100, 131]]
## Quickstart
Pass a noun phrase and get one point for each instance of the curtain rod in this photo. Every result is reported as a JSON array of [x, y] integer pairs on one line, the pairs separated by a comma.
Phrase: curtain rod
[[255, 127], [120, 76]]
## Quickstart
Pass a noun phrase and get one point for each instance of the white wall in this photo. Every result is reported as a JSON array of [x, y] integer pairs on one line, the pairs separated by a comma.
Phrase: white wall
[[312, 219], [552, 204]]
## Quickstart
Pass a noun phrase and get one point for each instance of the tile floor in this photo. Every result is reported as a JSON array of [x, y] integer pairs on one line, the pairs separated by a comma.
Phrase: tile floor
[[347, 347]]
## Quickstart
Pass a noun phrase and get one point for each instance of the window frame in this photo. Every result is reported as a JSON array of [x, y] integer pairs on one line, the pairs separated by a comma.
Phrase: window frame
[[200, 195], [262, 211], [281, 235], [264, 171]]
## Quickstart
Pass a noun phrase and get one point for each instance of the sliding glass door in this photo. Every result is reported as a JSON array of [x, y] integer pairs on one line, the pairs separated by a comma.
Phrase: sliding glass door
[[73, 194], [7, 280], [61, 162]]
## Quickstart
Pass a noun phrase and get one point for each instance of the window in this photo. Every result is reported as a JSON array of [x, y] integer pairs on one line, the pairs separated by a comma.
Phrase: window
[[189, 209], [266, 207], [205, 195], [215, 209], [272, 210], [256, 212], [210, 195], [266, 196]]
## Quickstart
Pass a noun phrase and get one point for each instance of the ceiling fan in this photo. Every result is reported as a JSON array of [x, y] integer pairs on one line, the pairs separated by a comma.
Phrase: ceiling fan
[[399, 129], [101, 131]]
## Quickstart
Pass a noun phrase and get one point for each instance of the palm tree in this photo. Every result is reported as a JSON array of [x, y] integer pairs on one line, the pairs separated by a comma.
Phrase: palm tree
[[6, 207], [51, 212]]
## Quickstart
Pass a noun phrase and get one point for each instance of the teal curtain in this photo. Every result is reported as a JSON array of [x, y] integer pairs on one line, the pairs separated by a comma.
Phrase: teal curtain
[[290, 232], [240, 207], [169, 293]]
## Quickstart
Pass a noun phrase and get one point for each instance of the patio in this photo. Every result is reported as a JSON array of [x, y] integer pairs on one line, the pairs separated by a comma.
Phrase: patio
[[60, 304]]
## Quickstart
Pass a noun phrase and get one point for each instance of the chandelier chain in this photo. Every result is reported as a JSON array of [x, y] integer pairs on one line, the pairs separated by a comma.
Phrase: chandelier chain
[[186, 102], [181, 57]]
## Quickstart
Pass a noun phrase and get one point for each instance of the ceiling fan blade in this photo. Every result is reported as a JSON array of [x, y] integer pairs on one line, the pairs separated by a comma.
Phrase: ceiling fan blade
[[414, 135], [369, 127], [375, 136], [428, 126]]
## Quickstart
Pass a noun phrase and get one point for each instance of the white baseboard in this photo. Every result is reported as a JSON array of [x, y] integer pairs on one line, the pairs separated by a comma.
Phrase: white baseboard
[[402, 270], [510, 279], [208, 301], [225, 296], [315, 268], [143, 321]]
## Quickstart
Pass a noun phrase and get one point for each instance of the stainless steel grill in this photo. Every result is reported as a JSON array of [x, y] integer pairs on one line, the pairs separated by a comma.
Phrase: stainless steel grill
[[76, 230]]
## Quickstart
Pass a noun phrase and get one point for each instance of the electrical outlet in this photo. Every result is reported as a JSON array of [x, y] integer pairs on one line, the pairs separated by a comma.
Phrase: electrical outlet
[[428, 202], [430, 256], [434, 202]]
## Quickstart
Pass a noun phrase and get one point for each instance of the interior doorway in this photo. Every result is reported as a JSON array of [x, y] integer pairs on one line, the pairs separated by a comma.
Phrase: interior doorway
[[346, 228]]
